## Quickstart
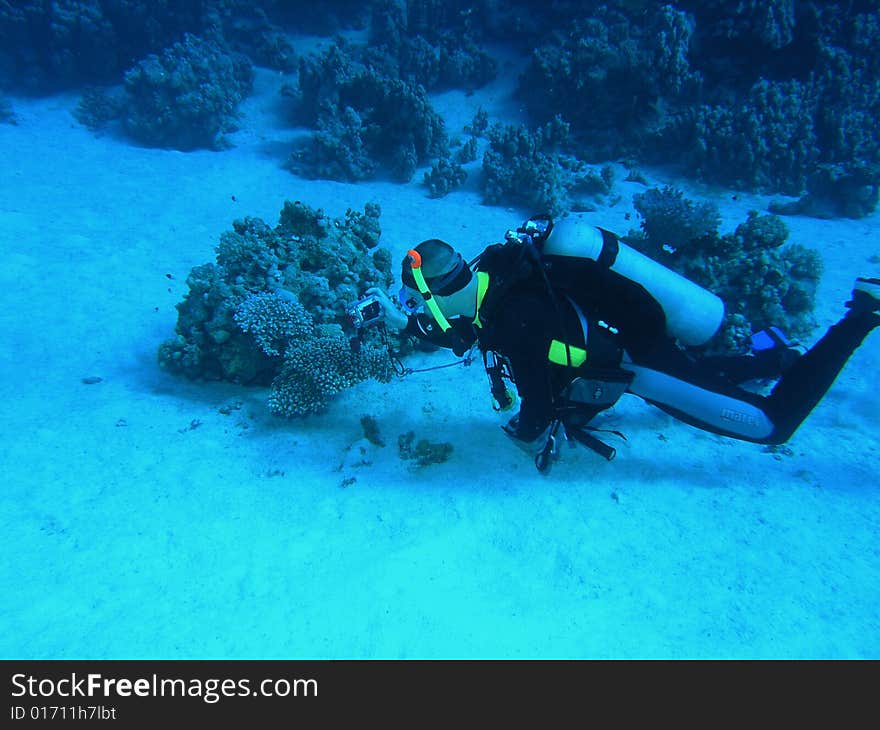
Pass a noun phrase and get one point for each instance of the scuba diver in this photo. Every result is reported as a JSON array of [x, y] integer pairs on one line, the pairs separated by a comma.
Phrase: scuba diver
[[574, 318]]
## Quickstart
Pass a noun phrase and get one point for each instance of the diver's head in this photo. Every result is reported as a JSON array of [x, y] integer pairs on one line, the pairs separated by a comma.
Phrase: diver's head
[[435, 276]]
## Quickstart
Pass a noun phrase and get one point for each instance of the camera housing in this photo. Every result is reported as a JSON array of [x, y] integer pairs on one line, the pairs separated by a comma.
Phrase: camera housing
[[365, 312]]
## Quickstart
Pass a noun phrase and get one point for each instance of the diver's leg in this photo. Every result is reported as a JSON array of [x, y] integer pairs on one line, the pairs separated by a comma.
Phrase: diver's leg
[[723, 409], [806, 382], [772, 354], [688, 390]]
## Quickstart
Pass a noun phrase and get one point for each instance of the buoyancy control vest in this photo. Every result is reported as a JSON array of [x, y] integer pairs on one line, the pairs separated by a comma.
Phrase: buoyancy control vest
[[590, 348], [545, 255], [530, 254]]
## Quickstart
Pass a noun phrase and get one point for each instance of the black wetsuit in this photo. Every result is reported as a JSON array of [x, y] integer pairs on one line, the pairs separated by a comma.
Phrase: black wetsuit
[[623, 320]]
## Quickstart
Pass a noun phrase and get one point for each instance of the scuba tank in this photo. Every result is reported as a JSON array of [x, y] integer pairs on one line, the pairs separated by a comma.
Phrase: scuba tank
[[693, 314]]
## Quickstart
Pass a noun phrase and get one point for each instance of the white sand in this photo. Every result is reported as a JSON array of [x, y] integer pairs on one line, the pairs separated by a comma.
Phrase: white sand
[[130, 534]]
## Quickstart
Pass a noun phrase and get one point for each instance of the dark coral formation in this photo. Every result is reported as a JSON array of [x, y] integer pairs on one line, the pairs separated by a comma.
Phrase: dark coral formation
[[372, 433], [835, 191], [61, 43], [610, 77], [768, 143], [187, 97], [434, 44], [445, 176], [758, 95], [762, 281], [98, 107], [751, 94], [364, 120], [531, 168], [271, 309], [368, 103], [65, 42]]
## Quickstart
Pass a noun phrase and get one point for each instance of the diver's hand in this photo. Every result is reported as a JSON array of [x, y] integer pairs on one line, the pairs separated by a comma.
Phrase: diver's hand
[[394, 318]]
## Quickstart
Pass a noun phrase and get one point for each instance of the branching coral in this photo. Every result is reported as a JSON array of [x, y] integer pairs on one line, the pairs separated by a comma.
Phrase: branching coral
[[317, 368], [276, 321]]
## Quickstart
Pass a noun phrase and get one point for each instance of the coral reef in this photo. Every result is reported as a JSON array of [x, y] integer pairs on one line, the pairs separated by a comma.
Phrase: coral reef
[[750, 94], [62, 43], [444, 177], [479, 124], [768, 143], [271, 309], [187, 97], [529, 168], [208, 342], [466, 153], [319, 367], [247, 28], [671, 223], [364, 120], [758, 95], [762, 281], [428, 43], [98, 107], [833, 191], [611, 78]]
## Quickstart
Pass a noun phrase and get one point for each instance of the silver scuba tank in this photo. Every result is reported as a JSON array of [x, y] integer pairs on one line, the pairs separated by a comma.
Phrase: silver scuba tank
[[693, 314]]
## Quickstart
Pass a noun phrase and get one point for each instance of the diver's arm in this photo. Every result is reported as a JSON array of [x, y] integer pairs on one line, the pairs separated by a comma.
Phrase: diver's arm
[[459, 338], [536, 397], [521, 335], [423, 326]]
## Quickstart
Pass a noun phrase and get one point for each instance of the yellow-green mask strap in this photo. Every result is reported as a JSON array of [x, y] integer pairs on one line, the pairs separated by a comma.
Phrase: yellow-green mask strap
[[430, 302]]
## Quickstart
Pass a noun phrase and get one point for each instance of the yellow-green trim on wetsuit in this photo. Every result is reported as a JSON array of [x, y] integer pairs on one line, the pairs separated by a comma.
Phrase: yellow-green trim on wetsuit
[[558, 354], [482, 288]]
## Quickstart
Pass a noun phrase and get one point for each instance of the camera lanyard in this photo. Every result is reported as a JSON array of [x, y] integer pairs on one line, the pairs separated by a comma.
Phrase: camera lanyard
[[402, 371]]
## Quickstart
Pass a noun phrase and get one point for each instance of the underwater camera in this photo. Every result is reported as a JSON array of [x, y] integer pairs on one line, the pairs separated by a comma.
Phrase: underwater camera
[[365, 312]]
